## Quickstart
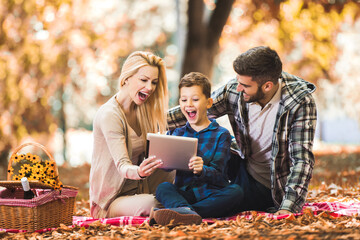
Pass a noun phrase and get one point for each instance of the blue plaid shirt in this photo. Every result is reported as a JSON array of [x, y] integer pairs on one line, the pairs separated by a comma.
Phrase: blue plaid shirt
[[214, 148]]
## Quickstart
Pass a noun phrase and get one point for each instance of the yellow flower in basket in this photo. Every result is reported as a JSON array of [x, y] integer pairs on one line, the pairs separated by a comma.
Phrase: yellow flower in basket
[[16, 178], [28, 156], [15, 158], [26, 168], [11, 170], [35, 159]]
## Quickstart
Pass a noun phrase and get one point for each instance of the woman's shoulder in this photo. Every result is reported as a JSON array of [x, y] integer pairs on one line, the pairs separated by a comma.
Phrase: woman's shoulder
[[108, 111]]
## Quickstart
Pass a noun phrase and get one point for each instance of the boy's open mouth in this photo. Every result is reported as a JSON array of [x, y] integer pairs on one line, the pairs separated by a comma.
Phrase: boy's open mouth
[[191, 114]]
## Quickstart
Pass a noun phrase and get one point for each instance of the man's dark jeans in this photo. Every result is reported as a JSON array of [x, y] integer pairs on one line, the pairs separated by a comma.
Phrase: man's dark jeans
[[256, 196], [222, 203]]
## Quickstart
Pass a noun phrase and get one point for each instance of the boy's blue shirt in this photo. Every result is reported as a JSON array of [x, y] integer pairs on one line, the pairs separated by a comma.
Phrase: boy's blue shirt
[[214, 148]]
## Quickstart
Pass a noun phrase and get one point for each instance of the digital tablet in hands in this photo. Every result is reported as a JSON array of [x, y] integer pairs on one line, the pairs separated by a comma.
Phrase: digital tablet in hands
[[174, 151]]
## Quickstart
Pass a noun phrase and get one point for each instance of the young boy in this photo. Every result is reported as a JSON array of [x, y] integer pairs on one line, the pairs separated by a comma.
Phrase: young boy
[[204, 191]]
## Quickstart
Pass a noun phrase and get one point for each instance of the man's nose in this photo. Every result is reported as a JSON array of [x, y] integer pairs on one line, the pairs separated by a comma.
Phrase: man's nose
[[239, 88]]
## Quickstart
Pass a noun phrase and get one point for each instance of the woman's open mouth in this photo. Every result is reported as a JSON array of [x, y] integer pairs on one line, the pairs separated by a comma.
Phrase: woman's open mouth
[[143, 96]]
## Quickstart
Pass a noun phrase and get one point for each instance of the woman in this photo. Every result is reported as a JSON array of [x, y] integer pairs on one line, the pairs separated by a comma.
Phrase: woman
[[121, 180]]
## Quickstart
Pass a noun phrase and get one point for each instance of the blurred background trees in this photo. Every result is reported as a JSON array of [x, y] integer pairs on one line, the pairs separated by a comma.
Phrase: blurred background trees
[[59, 60]]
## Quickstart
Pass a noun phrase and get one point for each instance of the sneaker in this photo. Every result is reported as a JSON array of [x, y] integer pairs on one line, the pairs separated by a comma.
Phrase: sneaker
[[176, 216], [151, 216]]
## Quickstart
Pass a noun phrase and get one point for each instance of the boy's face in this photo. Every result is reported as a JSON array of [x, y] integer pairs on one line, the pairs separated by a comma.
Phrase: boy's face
[[194, 105]]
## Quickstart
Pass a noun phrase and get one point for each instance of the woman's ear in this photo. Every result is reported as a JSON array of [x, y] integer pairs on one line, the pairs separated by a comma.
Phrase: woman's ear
[[209, 103]]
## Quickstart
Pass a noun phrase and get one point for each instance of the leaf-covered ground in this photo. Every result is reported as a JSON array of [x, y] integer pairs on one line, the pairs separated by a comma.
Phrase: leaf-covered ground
[[336, 178]]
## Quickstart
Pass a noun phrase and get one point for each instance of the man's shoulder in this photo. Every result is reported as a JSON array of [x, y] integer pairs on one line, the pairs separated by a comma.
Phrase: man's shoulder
[[296, 83]]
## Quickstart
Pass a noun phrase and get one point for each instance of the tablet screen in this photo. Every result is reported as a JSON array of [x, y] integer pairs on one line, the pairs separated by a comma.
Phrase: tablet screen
[[174, 151]]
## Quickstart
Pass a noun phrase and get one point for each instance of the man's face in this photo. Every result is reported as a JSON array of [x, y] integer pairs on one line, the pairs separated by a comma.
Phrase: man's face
[[252, 92]]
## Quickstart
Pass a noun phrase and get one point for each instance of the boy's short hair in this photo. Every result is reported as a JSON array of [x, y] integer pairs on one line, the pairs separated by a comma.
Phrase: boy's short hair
[[196, 79]]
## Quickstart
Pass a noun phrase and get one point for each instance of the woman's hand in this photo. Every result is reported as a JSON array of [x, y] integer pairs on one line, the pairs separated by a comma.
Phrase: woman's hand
[[148, 166], [196, 164]]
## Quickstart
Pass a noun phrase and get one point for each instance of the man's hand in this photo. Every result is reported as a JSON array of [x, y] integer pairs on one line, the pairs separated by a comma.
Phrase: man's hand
[[196, 164], [282, 212]]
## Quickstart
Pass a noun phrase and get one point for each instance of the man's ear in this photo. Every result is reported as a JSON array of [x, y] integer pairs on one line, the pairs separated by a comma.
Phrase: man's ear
[[209, 103], [266, 87]]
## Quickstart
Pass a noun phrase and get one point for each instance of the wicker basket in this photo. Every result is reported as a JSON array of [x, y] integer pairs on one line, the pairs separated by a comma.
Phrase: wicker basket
[[47, 210]]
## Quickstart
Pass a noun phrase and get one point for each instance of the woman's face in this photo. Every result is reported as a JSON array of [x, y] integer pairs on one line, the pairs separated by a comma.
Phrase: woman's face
[[143, 83]]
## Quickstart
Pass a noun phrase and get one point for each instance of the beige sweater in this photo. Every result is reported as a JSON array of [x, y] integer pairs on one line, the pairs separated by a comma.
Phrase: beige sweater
[[111, 160]]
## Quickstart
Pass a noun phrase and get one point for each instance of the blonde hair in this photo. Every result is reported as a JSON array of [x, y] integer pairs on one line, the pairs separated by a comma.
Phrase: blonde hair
[[152, 114]]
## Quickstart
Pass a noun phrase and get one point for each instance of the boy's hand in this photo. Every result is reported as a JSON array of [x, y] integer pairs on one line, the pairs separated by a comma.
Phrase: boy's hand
[[196, 164]]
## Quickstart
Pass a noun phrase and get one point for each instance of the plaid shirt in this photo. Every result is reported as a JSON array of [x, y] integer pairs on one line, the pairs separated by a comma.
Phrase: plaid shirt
[[214, 148], [292, 160]]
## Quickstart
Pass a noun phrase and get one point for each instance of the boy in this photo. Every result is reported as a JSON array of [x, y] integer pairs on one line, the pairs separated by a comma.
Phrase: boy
[[204, 191]]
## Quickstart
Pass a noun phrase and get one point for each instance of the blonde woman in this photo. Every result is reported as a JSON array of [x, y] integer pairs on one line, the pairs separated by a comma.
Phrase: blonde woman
[[122, 182]]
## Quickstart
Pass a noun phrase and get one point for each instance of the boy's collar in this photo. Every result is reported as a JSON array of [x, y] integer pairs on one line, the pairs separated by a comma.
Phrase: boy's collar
[[212, 126]]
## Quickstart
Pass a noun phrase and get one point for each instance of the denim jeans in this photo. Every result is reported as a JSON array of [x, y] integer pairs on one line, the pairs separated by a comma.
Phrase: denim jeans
[[221, 203], [256, 196]]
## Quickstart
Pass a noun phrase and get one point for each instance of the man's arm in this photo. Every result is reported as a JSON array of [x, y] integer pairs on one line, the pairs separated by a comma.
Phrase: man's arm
[[223, 97], [300, 146], [175, 118]]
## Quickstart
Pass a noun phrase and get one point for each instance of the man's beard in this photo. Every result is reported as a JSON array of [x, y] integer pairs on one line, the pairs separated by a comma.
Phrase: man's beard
[[258, 96]]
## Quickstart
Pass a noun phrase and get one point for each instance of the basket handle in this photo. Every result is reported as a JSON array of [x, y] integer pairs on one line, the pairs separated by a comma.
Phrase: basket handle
[[36, 145]]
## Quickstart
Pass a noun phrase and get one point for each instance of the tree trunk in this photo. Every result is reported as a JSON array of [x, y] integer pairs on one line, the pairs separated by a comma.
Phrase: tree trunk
[[202, 43]]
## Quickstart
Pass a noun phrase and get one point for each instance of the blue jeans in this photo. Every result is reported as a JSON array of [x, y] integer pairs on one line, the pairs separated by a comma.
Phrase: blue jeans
[[256, 196], [221, 203]]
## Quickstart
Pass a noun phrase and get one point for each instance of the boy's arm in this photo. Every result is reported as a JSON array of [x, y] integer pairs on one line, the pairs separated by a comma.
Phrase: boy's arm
[[214, 171]]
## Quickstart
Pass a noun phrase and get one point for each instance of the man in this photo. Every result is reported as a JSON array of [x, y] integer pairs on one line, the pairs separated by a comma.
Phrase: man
[[273, 117]]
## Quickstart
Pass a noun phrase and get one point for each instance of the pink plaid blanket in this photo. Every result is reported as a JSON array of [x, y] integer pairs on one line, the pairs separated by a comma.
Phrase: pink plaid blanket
[[336, 209]]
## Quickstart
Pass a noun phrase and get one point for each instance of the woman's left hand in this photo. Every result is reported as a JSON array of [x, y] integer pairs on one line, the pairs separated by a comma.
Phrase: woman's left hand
[[148, 166]]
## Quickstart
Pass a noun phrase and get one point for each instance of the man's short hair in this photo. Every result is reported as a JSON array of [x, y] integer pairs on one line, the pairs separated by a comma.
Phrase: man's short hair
[[261, 63], [196, 79]]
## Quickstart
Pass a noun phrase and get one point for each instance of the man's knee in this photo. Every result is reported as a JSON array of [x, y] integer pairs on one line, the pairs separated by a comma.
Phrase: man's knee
[[236, 191]]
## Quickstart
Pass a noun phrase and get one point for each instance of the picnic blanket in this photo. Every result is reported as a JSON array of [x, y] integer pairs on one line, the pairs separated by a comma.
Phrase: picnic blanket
[[335, 209]]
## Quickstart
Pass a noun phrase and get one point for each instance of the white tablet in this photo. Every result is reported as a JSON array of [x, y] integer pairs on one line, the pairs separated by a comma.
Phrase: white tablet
[[174, 151]]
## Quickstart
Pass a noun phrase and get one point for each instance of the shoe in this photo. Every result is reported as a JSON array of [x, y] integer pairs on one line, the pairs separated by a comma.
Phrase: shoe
[[176, 216], [151, 216]]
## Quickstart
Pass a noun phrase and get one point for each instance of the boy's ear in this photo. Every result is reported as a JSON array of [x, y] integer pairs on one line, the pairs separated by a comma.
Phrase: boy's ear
[[209, 103]]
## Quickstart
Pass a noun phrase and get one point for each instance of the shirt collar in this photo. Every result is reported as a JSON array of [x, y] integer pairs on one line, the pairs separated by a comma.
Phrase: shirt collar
[[277, 96], [212, 126]]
